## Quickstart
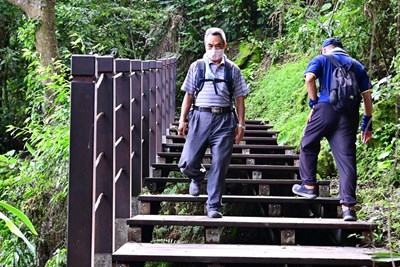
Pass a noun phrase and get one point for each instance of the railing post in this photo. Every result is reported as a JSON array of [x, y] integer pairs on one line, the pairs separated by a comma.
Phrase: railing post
[[167, 93], [103, 169], [159, 107], [145, 119], [136, 144], [172, 89], [80, 192], [122, 165], [152, 112], [163, 89]]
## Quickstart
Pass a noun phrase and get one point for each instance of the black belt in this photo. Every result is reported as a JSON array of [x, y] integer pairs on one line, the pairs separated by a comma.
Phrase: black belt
[[217, 110]]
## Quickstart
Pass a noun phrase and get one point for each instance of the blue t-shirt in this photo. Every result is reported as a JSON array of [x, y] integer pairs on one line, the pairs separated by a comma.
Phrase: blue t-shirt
[[323, 69]]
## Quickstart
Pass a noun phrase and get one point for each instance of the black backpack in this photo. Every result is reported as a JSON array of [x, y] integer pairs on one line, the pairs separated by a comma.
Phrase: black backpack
[[201, 74], [345, 95]]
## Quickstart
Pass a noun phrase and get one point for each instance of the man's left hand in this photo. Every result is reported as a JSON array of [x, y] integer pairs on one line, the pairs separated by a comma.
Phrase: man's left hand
[[366, 136], [239, 135]]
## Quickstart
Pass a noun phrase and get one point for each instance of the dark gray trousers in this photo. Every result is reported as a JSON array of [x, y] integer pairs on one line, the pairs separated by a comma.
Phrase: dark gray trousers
[[341, 132], [216, 131]]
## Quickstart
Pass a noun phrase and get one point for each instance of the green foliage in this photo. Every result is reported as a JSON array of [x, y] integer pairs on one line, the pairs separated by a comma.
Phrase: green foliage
[[13, 228], [378, 166], [280, 97], [12, 69], [59, 259], [108, 27], [39, 178]]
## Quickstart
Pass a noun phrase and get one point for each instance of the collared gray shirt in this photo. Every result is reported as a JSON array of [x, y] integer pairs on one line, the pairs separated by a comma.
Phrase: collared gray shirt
[[207, 96]]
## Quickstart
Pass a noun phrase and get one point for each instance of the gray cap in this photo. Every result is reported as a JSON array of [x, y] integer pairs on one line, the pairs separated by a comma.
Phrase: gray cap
[[213, 31]]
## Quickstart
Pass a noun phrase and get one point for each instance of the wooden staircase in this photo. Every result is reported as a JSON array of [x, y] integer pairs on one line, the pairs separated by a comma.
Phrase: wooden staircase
[[264, 224]]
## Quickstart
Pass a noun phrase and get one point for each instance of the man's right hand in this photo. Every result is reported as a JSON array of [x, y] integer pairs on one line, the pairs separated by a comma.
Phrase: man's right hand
[[182, 128], [309, 118], [366, 129]]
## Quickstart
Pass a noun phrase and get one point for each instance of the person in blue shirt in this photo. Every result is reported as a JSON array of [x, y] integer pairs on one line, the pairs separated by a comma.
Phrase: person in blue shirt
[[340, 129], [212, 120]]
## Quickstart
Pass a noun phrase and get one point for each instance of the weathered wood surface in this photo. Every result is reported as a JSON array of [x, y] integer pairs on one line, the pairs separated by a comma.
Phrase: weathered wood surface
[[238, 156], [241, 221], [241, 146], [266, 140], [248, 126], [174, 167], [248, 132], [240, 198], [268, 181], [266, 254]]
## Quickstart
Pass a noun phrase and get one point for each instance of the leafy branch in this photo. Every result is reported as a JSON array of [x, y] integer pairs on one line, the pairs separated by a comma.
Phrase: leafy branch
[[13, 228]]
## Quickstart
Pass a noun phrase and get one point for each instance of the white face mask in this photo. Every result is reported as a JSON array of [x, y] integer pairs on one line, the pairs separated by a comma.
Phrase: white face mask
[[215, 54]]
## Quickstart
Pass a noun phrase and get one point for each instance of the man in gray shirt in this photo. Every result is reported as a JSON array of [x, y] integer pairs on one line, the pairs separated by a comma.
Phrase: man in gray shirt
[[213, 121]]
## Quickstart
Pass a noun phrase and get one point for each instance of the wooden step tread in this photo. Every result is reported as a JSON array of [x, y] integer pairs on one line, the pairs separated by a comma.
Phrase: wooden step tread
[[238, 155], [240, 198], [248, 126], [223, 253], [232, 181], [174, 166], [263, 132], [247, 121], [242, 221], [252, 132], [255, 121], [245, 138], [244, 146]]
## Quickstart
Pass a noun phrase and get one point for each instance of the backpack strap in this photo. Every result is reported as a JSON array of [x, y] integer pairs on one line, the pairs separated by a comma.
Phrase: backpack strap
[[201, 73], [333, 60], [336, 63], [200, 76], [229, 77]]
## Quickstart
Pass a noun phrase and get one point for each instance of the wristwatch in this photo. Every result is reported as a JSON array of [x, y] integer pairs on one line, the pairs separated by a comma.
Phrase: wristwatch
[[241, 126]]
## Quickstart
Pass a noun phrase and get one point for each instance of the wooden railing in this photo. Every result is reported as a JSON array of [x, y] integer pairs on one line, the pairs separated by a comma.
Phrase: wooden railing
[[120, 109]]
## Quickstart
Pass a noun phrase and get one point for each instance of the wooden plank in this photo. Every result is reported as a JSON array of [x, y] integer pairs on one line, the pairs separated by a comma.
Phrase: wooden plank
[[240, 198], [266, 254], [259, 127], [103, 134], [254, 121], [232, 181], [136, 130], [245, 138], [174, 129], [80, 190], [122, 164], [248, 121], [265, 147], [239, 156], [258, 222], [261, 133], [174, 167]]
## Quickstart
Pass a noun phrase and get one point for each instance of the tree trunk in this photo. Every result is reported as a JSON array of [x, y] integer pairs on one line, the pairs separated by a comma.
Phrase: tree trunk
[[373, 36], [398, 25], [46, 41], [281, 19]]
